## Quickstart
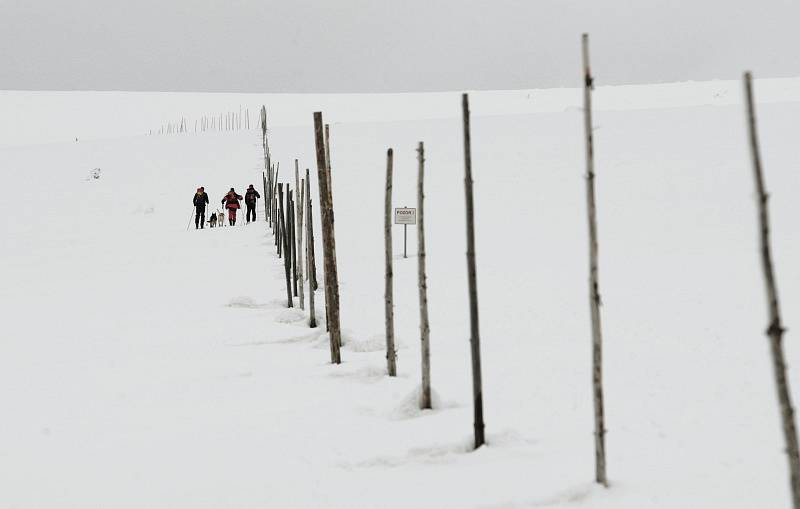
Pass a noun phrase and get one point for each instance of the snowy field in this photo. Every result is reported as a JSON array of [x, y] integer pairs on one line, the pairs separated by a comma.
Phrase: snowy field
[[146, 365]]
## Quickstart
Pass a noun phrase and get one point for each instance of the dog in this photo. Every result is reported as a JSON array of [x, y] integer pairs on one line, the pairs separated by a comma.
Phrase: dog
[[220, 218], [212, 221]]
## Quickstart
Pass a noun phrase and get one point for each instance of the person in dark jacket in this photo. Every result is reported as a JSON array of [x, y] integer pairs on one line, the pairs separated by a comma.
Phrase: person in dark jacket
[[200, 200], [231, 202], [250, 198]]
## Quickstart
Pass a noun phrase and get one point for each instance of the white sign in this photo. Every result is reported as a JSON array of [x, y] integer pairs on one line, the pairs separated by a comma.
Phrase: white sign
[[405, 216]]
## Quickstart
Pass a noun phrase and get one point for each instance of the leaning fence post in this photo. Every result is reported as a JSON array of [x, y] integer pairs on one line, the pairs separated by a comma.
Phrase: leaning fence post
[[329, 243], [391, 360], [475, 342], [775, 329], [594, 285]]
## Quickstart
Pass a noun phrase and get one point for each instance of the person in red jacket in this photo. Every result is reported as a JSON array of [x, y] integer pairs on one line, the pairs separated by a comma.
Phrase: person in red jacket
[[231, 202]]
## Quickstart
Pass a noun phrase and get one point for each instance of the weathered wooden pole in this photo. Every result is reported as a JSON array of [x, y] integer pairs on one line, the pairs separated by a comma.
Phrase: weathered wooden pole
[[280, 210], [330, 201], [475, 341], [424, 326], [328, 242], [277, 211], [299, 208], [312, 265], [775, 328], [272, 216], [284, 233], [293, 242], [266, 197], [328, 158], [312, 321], [594, 285], [391, 354], [276, 223], [300, 267]]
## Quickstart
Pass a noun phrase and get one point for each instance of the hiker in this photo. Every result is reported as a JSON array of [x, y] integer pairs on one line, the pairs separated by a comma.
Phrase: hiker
[[250, 198], [200, 199], [231, 202]]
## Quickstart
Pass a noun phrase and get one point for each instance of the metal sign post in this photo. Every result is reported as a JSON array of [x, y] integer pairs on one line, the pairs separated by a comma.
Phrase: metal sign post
[[405, 216], [405, 241]]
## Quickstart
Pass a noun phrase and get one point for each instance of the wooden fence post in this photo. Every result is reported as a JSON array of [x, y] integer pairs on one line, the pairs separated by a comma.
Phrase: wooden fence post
[[277, 210], [329, 243], [292, 242], [271, 191], [284, 233], [475, 342], [775, 329], [424, 326], [300, 184], [594, 285], [280, 210], [312, 265], [330, 200], [391, 355], [266, 197], [312, 322]]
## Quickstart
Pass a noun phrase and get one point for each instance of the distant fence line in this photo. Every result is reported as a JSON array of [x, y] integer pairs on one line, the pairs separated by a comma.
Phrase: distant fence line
[[226, 121]]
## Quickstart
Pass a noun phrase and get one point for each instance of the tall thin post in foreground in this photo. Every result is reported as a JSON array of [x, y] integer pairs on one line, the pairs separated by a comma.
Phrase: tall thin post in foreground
[[775, 329], [328, 242], [424, 326], [475, 340], [594, 286], [391, 355]]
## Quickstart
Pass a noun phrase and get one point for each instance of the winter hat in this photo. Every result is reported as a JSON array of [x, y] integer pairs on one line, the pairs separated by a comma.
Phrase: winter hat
[[251, 186], [202, 188], [232, 190]]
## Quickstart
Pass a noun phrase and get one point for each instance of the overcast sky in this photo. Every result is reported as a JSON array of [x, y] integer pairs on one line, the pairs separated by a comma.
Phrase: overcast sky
[[379, 46]]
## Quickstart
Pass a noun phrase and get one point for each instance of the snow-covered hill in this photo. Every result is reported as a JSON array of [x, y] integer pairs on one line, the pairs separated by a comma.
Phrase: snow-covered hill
[[146, 365]]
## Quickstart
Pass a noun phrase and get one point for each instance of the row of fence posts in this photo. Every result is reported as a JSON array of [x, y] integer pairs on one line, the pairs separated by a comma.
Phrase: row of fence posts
[[425, 400], [774, 330], [227, 121], [290, 216], [283, 216]]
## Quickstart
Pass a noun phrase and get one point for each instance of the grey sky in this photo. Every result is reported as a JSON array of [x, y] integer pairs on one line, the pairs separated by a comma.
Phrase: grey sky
[[379, 46]]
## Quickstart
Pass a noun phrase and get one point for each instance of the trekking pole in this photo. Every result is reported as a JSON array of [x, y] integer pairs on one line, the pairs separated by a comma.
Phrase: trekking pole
[[190, 220]]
